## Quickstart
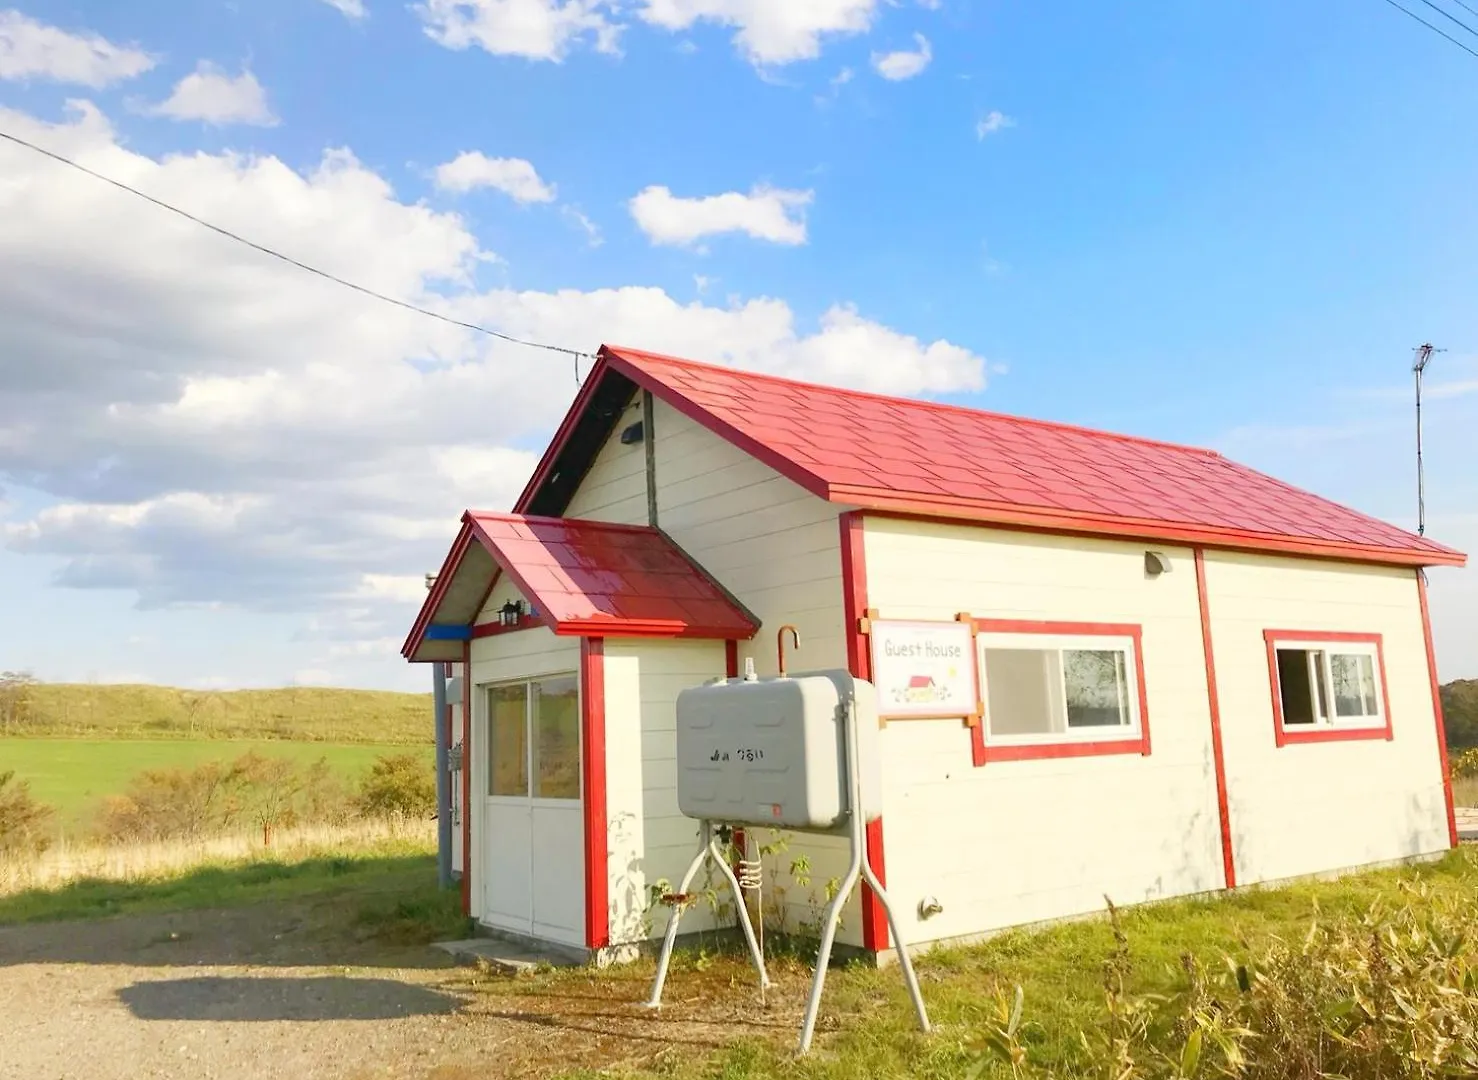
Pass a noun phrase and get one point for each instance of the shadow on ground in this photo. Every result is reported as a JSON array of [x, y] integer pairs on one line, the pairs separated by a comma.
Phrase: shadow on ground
[[267, 998]]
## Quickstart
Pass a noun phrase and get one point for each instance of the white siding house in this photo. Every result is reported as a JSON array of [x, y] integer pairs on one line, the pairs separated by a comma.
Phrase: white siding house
[[1189, 677]]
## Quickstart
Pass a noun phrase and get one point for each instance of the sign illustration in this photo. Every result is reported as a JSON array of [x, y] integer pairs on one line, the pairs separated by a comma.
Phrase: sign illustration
[[924, 669]]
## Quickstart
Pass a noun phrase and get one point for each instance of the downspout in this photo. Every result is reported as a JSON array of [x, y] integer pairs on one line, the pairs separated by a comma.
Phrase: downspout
[[441, 712]]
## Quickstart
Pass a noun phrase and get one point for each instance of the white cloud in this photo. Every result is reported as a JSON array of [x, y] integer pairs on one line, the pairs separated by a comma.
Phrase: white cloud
[[903, 64], [991, 123], [210, 95], [766, 213], [768, 31], [534, 29], [514, 177], [353, 9], [34, 50], [245, 437], [588, 227]]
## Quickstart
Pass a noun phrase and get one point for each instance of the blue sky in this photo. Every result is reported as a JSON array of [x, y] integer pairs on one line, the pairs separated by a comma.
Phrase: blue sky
[[1220, 223]]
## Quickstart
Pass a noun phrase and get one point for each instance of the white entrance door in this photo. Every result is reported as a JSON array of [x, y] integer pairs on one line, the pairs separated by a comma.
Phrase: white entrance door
[[533, 824]]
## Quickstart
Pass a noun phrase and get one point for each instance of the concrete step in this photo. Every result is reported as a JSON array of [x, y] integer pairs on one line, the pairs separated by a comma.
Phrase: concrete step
[[506, 957]]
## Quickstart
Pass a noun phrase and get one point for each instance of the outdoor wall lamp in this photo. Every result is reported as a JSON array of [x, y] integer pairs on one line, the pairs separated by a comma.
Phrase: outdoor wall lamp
[[1155, 564], [510, 613]]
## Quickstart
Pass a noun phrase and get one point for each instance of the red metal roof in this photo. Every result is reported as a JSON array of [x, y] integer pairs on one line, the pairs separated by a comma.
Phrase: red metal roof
[[924, 458], [588, 578]]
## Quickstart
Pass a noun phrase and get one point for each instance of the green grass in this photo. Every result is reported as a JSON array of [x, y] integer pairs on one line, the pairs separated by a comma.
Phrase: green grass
[[73, 775], [1060, 971], [389, 888], [303, 713]]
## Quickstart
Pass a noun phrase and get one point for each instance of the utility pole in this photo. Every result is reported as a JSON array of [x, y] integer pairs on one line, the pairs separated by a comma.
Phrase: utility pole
[[1418, 367]]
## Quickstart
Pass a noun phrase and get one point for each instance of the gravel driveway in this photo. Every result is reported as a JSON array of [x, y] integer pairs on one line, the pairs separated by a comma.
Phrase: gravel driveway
[[284, 990]]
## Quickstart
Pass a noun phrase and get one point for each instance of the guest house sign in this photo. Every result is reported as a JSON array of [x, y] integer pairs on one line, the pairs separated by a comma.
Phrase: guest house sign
[[924, 669]]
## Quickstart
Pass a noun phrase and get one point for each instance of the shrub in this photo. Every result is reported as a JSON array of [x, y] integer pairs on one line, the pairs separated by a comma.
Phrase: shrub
[[25, 824], [398, 784], [1465, 764], [1389, 996], [169, 804]]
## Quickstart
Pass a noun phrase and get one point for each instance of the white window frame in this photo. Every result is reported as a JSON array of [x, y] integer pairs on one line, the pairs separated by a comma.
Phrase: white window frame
[[1331, 721], [1048, 642], [486, 690]]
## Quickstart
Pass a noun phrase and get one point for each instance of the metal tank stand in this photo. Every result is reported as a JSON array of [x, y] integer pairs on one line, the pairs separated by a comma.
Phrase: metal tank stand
[[707, 849], [858, 867]]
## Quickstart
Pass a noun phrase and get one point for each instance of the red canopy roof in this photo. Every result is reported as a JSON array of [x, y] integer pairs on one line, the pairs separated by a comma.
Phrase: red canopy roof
[[895, 454], [582, 577]]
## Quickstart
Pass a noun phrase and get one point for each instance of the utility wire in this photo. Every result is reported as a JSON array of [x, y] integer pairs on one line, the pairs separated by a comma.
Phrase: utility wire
[[1434, 29], [575, 353], [1465, 7], [1450, 17]]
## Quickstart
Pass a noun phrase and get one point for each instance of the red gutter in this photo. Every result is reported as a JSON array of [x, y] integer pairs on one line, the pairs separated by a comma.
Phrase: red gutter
[[859, 663], [1218, 755]]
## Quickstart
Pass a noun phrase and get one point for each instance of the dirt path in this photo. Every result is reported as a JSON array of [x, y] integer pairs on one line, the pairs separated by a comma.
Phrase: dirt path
[[284, 991]]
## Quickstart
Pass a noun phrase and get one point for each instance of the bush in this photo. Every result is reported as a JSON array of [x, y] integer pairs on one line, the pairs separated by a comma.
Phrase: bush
[[175, 804], [1465, 765], [1390, 996], [214, 797], [25, 824], [398, 785]]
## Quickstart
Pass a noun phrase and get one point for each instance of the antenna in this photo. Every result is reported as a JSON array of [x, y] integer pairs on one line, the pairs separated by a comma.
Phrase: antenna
[[1418, 367]]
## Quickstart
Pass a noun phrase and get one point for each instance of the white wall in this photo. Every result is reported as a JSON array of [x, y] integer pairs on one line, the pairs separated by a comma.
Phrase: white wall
[[648, 839], [615, 488], [770, 542], [1309, 807], [1012, 842]]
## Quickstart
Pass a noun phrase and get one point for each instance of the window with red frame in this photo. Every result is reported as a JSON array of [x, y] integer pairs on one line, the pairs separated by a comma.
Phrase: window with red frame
[[1325, 688], [1045, 686]]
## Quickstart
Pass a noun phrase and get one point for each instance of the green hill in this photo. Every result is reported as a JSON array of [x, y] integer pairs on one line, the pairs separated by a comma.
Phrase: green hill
[[300, 713]]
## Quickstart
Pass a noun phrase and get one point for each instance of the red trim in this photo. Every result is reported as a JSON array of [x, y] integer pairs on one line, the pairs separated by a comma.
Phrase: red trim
[[561, 436], [982, 752], [1421, 589], [1218, 755], [467, 778], [438, 591], [1061, 523], [1285, 737], [859, 663], [593, 744], [492, 629]]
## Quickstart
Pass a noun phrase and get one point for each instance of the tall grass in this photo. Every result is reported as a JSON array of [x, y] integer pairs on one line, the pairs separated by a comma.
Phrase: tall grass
[[152, 860]]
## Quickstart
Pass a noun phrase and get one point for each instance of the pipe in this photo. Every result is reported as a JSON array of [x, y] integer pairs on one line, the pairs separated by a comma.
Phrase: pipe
[[442, 712], [795, 643]]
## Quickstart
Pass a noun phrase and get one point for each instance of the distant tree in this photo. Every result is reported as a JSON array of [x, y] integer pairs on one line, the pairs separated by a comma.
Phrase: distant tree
[[398, 785], [269, 790], [17, 699], [1460, 711], [25, 824]]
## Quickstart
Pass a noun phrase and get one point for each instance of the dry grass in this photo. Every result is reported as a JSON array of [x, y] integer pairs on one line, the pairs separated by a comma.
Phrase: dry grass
[[1465, 791], [70, 862]]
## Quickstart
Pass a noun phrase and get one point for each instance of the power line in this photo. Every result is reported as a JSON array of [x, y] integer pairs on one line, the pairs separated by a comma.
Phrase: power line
[[575, 353], [1450, 17], [1434, 29], [1465, 7]]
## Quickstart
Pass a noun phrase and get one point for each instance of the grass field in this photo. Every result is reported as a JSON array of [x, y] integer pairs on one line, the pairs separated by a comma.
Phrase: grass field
[[73, 775], [300, 713], [388, 890]]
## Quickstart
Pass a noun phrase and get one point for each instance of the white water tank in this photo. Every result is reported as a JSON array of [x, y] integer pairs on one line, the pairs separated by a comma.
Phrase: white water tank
[[771, 751]]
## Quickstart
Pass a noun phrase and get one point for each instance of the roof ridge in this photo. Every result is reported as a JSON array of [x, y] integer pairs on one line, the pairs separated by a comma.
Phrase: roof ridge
[[894, 399]]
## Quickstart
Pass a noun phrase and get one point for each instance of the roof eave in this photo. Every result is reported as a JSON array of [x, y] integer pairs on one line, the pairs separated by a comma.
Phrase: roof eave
[[1066, 521]]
